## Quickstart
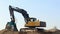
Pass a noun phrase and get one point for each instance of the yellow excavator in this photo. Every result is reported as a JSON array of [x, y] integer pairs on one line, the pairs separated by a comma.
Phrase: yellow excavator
[[30, 22]]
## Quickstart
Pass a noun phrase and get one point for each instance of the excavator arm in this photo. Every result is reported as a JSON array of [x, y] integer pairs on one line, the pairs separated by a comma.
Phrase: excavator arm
[[22, 11], [12, 25]]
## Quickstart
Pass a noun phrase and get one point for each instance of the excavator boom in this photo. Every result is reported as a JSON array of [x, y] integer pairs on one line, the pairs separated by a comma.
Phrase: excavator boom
[[22, 11]]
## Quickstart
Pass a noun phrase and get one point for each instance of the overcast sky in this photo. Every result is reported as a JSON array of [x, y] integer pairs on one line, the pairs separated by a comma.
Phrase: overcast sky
[[44, 10]]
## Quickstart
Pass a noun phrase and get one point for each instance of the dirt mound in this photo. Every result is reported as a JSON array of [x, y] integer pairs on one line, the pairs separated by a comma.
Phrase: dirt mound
[[4, 31]]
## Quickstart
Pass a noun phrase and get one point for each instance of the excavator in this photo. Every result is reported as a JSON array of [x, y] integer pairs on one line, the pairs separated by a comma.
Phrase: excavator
[[29, 22]]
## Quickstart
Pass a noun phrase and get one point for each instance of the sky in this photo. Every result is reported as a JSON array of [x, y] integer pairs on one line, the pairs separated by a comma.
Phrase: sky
[[44, 10]]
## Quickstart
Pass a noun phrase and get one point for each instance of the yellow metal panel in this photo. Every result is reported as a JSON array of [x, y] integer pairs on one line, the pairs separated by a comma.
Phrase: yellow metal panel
[[37, 23]]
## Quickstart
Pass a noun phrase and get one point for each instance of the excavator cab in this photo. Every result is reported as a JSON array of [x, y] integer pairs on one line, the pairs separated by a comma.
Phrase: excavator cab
[[30, 19], [33, 19]]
